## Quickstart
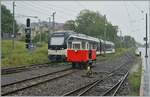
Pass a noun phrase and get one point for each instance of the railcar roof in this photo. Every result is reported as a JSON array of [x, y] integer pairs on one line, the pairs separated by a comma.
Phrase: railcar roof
[[82, 36], [109, 42], [86, 37], [64, 31]]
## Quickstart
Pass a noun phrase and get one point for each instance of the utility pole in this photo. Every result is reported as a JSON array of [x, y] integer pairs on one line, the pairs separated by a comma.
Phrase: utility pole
[[120, 38], [49, 25], [53, 15], [149, 52], [146, 38], [105, 35], [13, 35], [40, 30]]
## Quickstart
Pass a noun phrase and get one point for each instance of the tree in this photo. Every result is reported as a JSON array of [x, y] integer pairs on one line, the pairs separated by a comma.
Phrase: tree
[[128, 42], [43, 36], [93, 24], [90, 23], [7, 21], [70, 25]]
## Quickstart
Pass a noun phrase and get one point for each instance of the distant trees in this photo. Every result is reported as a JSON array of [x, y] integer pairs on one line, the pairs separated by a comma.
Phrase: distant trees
[[128, 42], [70, 25], [94, 24], [43, 37], [7, 21]]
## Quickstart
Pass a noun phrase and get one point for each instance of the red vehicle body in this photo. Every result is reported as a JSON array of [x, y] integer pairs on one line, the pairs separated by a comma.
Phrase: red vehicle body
[[79, 49], [78, 56]]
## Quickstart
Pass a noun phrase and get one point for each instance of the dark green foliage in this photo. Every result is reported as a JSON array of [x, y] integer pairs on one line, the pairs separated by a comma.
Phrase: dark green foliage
[[94, 24], [128, 42], [70, 25], [7, 21], [43, 36]]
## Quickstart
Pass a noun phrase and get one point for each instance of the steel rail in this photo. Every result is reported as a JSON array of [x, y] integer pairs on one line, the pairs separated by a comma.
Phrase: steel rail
[[120, 84], [5, 71], [87, 87], [35, 84], [92, 84], [78, 89], [115, 86], [17, 82]]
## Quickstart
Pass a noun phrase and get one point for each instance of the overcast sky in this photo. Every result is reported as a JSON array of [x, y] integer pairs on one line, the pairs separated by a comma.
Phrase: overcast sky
[[128, 15]]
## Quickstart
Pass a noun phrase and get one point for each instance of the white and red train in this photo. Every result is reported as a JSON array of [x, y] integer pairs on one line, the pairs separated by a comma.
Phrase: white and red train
[[77, 48]]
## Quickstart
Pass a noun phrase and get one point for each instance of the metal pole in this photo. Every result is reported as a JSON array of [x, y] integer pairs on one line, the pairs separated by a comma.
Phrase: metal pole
[[149, 53], [13, 35], [0, 27], [146, 55], [40, 30], [49, 25], [105, 36], [53, 15], [120, 39]]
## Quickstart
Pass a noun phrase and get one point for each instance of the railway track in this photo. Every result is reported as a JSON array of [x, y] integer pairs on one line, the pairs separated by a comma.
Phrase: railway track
[[116, 86], [11, 88], [81, 91], [5, 71]]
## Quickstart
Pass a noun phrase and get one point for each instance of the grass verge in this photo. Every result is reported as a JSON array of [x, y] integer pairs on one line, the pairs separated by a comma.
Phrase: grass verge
[[119, 52], [135, 80], [20, 56]]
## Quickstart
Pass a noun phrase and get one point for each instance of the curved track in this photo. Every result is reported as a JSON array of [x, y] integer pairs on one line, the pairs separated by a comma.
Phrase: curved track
[[81, 91]]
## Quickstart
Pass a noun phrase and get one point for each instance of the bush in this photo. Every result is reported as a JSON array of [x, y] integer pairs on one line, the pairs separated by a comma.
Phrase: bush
[[21, 56]]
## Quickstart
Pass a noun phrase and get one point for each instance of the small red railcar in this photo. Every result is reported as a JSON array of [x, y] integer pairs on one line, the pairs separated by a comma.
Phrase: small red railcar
[[77, 48], [82, 49]]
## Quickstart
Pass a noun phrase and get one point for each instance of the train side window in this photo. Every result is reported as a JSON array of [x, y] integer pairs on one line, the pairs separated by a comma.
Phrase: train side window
[[83, 45], [95, 46], [87, 46], [70, 45], [76, 46]]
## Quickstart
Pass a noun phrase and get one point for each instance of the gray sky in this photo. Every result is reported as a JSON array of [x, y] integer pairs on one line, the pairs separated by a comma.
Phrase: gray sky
[[128, 15]]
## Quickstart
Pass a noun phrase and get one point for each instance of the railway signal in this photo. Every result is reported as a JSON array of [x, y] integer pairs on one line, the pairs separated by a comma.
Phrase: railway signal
[[28, 33]]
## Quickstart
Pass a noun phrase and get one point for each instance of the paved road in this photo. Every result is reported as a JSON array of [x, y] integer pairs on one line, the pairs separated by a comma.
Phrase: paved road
[[146, 67]]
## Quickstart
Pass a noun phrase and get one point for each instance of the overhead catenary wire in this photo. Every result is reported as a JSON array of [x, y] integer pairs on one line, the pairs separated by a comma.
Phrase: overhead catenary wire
[[59, 7], [38, 6], [35, 10], [128, 14], [46, 11], [139, 10]]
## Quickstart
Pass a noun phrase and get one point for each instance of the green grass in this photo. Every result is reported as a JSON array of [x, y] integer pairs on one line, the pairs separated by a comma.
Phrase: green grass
[[135, 81], [119, 52], [20, 56]]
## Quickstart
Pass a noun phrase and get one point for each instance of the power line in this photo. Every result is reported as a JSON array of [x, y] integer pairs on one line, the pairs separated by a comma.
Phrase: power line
[[48, 6], [138, 9], [44, 10], [68, 9], [79, 3], [128, 14]]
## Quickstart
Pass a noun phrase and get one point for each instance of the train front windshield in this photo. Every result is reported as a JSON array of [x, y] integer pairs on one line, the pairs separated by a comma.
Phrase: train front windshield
[[57, 40]]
